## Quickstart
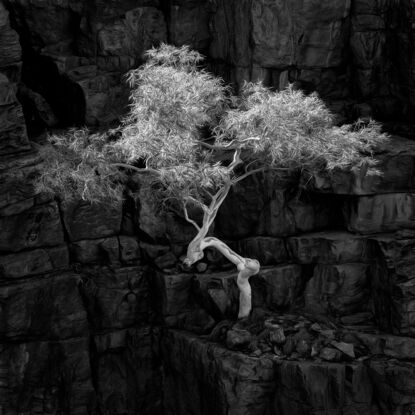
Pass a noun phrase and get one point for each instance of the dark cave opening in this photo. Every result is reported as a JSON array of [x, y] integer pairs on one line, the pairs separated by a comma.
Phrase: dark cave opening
[[65, 97]]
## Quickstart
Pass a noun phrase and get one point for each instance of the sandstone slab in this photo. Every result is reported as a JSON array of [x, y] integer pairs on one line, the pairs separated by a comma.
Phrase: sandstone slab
[[381, 213], [44, 308], [85, 221], [329, 248], [34, 262], [338, 290], [116, 298], [47, 377], [37, 227], [127, 366]]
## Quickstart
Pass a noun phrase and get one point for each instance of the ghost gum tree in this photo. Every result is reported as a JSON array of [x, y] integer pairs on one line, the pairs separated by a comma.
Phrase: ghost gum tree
[[195, 140]]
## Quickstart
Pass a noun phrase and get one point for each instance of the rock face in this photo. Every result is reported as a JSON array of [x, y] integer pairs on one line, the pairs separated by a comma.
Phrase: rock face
[[75, 53], [88, 294], [226, 382]]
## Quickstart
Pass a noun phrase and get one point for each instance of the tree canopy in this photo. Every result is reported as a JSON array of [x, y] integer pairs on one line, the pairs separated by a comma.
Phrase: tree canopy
[[196, 140], [173, 102]]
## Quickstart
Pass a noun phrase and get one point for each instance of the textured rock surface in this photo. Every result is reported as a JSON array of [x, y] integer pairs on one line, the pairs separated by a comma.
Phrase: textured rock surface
[[80, 308], [348, 51], [240, 384]]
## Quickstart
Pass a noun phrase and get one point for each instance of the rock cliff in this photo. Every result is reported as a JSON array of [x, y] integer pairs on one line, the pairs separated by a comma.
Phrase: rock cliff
[[96, 315]]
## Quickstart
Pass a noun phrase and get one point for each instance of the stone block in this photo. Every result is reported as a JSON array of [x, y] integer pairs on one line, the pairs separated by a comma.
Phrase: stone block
[[47, 377], [284, 285], [129, 249], [189, 24], [43, 308], [117, 298], [128, 370], [380, 213], [104, 251], [268, 251], [37, 227], [16, 187], [91, 221], [268, 205], [329, 248], [338, 290], [396, 166], [34, 262]]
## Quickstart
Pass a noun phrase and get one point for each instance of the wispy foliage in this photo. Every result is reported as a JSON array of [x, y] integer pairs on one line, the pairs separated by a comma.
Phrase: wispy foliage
[[291, 130], [172, 99], [76, 165]]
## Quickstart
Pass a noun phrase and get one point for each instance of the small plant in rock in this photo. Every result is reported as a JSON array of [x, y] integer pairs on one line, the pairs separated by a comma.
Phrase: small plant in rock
[[173, 104]]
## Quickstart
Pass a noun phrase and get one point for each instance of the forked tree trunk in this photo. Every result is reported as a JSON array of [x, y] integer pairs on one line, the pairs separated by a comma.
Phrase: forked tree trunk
[[246, 266]]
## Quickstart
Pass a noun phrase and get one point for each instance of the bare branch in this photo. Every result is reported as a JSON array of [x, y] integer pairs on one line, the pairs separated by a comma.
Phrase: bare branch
[[137, 169], [236, 159], [258, 170], [186, 215]]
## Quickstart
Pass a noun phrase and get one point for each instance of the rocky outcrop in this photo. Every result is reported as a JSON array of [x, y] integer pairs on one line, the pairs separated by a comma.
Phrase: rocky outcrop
[[221, 381], [76, 53], [85, 290]]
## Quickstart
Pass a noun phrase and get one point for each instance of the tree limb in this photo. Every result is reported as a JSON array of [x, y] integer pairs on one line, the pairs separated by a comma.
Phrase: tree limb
[[137, 169], [186, 215]]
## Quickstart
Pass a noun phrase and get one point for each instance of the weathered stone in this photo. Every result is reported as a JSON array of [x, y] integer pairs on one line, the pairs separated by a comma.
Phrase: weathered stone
[[394, 283], [129, 249], [338, 289], [394, 385], [237, 383], [396, 165], [381, 213], [392, 346], [283, 285], [230, 34], [238, 339], [128, 370], [47, 377], [13, 136], [345, 348], [329, 248], [39, 107], [268, 251], [16, 183], [165, 261], [85, 221], [38, 227], [261, 385], [322, 387], [134, 34], [34, 262], [10, 50], [104, 251], [276, 336], [262, 205], [189, 24], [284, 36], [43, 308], [160, 227], [117, 298]]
